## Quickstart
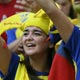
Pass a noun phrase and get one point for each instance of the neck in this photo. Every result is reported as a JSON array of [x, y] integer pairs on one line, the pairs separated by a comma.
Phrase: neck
[[39, 63]]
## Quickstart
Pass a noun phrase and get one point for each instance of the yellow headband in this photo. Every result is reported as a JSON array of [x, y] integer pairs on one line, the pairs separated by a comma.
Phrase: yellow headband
[[40, 20], [15, 21]]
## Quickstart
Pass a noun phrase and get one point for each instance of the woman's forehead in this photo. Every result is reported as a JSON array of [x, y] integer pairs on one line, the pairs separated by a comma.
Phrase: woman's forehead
[[31, 28]]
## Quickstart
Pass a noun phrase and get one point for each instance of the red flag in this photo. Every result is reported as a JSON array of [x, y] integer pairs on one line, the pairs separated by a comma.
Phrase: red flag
[[62, 68]]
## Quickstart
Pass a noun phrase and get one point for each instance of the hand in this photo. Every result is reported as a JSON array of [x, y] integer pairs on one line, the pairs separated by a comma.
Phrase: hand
[[27, 5], [16, 46], [20, 48], [44, 4], [22, 5]]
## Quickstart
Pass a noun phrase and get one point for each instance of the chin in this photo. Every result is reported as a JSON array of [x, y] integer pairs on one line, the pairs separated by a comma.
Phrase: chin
[[29, 53]]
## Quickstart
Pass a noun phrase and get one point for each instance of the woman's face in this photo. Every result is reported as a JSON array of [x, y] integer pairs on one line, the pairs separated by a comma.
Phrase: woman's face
[[76, 6], [34, 41], [65, 6]]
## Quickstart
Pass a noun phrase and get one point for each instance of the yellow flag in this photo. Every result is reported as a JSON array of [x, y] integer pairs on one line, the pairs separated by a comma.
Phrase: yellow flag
[[14, 21]]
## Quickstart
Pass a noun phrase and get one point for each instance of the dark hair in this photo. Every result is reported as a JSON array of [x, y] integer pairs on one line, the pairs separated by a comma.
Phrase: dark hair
[[72, 13], [31, 72]]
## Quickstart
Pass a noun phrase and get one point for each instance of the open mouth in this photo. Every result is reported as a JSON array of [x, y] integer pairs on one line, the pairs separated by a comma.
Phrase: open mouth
[[30, 45]]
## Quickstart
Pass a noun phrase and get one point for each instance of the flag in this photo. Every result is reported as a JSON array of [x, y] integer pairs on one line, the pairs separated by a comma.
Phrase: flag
[[62, 66]]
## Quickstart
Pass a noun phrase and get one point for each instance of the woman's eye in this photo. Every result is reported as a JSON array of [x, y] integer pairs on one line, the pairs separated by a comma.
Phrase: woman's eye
[[25, 34], [38, 33]]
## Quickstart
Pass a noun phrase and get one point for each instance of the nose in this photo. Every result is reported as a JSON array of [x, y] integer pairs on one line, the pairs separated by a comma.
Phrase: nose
[[29, 37]]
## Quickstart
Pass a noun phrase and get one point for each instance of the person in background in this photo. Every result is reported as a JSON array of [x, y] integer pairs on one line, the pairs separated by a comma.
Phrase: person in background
[[66, 7], [69, 32], [75, 21]]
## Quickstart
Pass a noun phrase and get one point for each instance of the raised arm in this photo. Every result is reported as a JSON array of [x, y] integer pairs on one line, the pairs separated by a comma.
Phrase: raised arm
[[5, 57], [64, 26]]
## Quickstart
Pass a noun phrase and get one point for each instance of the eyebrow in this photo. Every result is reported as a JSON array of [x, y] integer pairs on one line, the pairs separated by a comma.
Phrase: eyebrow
[[33, 30], [37, 31]]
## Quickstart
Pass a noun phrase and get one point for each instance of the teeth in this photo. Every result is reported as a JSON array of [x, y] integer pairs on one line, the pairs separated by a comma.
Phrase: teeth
[[30, 45]]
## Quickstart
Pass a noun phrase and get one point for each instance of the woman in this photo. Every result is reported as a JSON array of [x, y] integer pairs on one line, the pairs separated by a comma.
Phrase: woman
[[38, 51]]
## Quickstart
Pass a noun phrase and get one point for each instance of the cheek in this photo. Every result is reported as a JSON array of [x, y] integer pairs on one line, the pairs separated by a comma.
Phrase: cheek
[[23, 40], [40, 40], [43, 46], [42, 43]]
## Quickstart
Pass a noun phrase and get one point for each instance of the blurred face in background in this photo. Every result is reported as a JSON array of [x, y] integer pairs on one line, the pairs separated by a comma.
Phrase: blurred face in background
[[76, 6], [5, 1], [32, 5], [65, 6]]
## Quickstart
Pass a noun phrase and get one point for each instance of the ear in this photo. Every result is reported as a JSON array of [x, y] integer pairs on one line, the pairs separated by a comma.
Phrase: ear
[[51, 45]]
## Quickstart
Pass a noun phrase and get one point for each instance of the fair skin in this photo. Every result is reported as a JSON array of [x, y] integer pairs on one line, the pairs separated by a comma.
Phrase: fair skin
[[35, 46], [32, 40], [65, 6], [16, 46], [27, 5], [30, 6], [60, 20]]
